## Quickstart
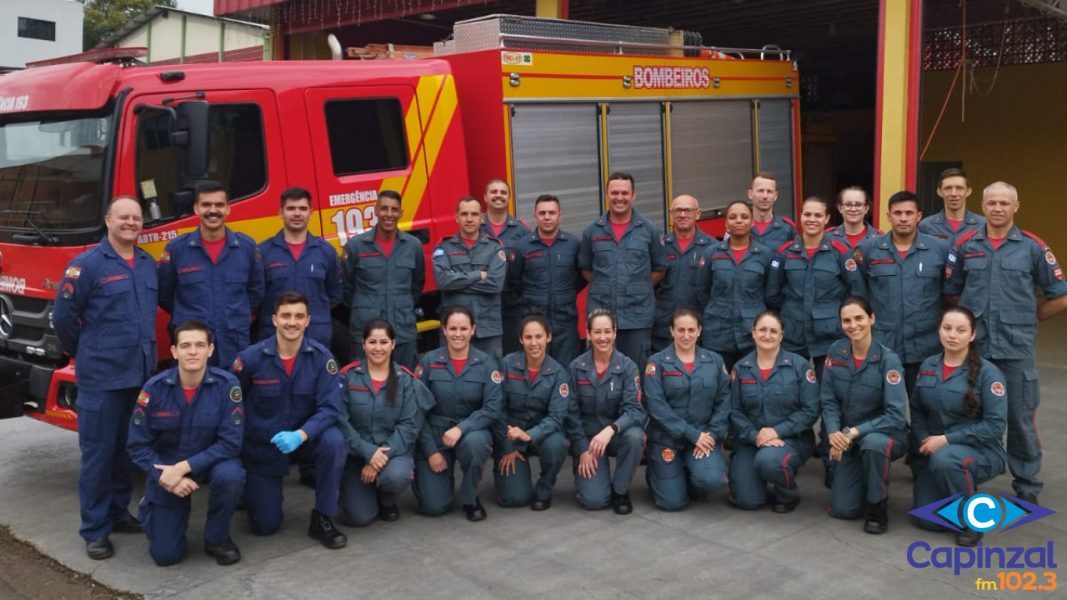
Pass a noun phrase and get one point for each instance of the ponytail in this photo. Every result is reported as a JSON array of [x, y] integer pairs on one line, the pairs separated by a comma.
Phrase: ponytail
[[390, 386]]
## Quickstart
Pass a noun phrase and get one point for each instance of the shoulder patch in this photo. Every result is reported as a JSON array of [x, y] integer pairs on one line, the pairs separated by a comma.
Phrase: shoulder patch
[[418, 371], [73, 272], [850, 265], [733, 375], [138, 416], [438, 251], [637, 384], [496, 376], [407, 370], [165, 257], [238, 365], [564, 390], [965, 236], [892, 377], [828, 363], [650, 368], [235, 394], [997, 388], [1050, 258], [143, 398], [503, 256], [857, 254], [784, 246], [331, 367], [811, 376], [350, 366], [237, 415]]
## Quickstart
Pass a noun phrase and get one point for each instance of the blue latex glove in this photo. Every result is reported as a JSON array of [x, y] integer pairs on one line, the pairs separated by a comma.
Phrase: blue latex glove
[[287, 441]]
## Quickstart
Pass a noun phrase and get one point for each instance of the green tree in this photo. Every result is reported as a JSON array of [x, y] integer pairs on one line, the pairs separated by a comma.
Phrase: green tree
[[104, 18]]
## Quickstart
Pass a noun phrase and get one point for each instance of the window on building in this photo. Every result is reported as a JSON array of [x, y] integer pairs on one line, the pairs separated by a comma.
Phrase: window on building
[[236, 156], [37, 29], [366, 135]]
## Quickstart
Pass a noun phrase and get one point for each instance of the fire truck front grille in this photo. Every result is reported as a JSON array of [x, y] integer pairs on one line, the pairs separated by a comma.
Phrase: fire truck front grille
[[26, 328]]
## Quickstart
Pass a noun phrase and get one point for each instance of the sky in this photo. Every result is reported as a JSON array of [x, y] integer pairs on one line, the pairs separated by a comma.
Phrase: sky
[[201, 6]]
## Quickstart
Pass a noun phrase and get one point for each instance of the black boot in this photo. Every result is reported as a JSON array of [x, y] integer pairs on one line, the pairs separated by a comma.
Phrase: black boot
[[475, 512], [877, 520], [323, 530], [968, 538]]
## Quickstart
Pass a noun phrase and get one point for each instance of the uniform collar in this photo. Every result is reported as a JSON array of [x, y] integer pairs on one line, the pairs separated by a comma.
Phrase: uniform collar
[[109, 250], [517, 360], [586, 363], [535, 235], [482, 238], [194, 237], [1013, 234], [699, 238], [843, 348], [278, 239], [171, 376], [370, 236], [783, 359], [474, 355], [669, 355], [636, 220], [270, 345]]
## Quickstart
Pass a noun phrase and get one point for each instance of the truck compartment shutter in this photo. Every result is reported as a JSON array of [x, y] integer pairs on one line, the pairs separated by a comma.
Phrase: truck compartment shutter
[[775, 118], [635, 146], [555, 150], [711, 150]]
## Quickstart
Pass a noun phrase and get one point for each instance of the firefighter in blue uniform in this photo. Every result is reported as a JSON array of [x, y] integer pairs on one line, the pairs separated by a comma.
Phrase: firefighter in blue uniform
[[770, 229], [955, 220], [623, 258], [808, 279], [536, 400], [606, 418], [292, 396], [546, 267], [995, 270], [470, 269], [385, 271], [853, 204], [297, 261], [384, 406], [864, 407], [686, 282], [958, 416], [467, 389], [903, 270], [186, 432], [775, 403], [214, 275], [511, 232], [687, 391], [737, 270], [105, 318]]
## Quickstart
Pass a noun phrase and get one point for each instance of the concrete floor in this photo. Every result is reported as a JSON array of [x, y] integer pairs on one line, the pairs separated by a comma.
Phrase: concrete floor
[[706, 551]]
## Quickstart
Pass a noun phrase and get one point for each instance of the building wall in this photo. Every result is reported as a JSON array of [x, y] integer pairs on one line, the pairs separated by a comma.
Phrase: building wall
[[1016, 134], [16, 51], [241, 42]]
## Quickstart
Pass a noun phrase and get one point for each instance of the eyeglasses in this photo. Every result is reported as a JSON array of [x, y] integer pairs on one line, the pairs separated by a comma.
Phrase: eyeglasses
[[853, 205], [685, 211]]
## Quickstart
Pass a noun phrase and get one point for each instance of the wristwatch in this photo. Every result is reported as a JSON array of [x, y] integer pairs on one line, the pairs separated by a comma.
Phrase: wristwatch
[[846, 431], [614, 427]]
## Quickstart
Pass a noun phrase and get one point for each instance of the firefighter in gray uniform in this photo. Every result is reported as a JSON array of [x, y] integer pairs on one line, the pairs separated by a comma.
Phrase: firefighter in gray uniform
[[686, 283], [510, 232]]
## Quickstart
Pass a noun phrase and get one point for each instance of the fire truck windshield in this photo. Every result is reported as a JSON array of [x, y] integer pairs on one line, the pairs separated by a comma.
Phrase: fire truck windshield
[[52, 174]]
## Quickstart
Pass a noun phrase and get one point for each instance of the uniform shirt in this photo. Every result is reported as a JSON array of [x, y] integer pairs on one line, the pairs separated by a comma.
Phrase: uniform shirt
[[938, 226], [736, 294], [622, 269], [386, 286], [368, 422], [224, 295], [514, 233], [105, 317], [787, 400], [470, 400], [838, 233], [549, 277], [458, 271], [939, 407], [871, 397], [905, 293], [601, 401], [810, 292], [308, 399], [686, 282], [538, 407], [998, 287], [165, 429], [781, 230], [316, 274], [684, 404]]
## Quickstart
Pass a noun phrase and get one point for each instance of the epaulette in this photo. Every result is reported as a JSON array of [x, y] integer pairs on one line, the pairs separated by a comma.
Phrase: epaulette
[[1034, 237], [351, 365], [966, 236], [783, 247], [840, 246]]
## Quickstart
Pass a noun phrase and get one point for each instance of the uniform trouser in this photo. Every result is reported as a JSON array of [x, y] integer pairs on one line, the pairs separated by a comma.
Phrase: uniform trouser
[[565, 346], [434, 490], [404, 354], [1024, 446], [360, 501], [165, 523], [104, 488], [862, 475], [263, 490], [490, 345], [635, 344], [673, 482], [511, 317], [516, 489], [627, 447], [954, 469], [752, 468], [911, 375]]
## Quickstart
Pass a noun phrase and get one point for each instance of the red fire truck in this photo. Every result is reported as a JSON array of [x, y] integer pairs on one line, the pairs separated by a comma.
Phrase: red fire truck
[[551, 106]]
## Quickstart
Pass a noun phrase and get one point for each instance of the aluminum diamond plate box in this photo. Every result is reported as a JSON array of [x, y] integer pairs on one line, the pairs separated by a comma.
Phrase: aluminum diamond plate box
[[532, 33]]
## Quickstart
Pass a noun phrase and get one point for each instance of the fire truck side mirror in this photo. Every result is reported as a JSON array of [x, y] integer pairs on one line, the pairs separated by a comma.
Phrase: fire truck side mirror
[[191, 134]]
